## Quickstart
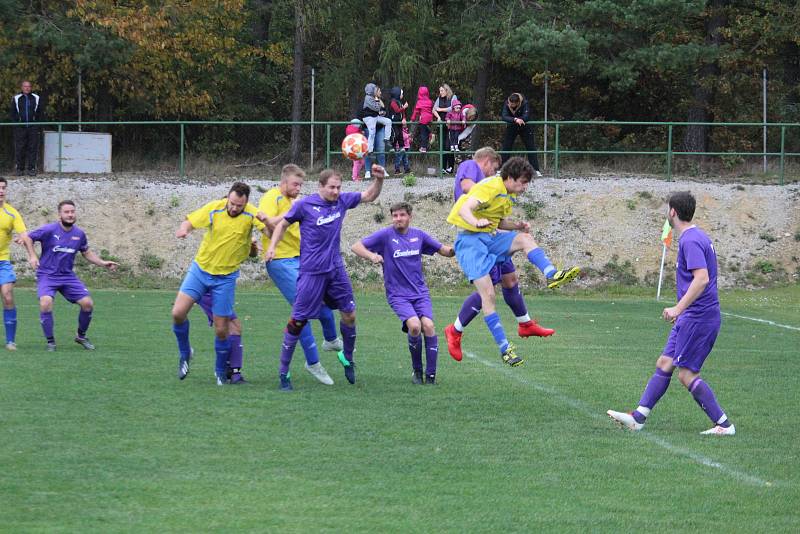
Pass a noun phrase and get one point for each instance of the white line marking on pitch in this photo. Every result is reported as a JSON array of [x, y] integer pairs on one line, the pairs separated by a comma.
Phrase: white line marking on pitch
[[773, 323], [586, 410]]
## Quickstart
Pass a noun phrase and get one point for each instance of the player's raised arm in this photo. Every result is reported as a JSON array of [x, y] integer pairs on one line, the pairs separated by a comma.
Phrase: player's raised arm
[[91, 257], [277, 235], [184, 229], [374, 189], [360, 250]]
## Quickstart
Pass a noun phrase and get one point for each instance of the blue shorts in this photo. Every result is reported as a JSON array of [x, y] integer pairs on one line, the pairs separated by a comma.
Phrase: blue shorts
[[221, 286], [478, 252], [499, 270], [206, 305], [690, 342], [7, 275], [284, 273]]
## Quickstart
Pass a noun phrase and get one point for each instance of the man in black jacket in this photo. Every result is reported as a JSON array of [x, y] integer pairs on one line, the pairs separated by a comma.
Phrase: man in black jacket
[[27, 111], [515, 113]]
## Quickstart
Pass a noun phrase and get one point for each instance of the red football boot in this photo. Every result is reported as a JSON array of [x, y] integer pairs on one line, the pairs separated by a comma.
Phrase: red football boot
[[531, 328], [453, 337]]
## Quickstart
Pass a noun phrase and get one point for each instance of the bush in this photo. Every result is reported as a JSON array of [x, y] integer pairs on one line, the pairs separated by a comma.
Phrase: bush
[[769, 238], [620, 273], [150, 261], [379, 217], [409, 180]]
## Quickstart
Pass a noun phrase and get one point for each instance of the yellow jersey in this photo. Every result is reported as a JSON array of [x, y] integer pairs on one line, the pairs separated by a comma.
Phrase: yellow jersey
[[274, 203], [494, 204], [10, 221], [226, 243]]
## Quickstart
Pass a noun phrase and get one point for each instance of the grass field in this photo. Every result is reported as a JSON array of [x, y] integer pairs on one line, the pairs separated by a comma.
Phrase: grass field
[[111, 441]]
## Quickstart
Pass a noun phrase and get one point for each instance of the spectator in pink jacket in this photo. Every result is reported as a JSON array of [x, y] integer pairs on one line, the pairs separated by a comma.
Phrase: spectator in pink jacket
[[356, 126], [423, 110], [455, 125]]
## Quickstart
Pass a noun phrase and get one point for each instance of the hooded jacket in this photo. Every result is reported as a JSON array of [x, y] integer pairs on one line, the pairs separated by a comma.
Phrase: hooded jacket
[[456, 118], [396, 105], [372, 106], [520, 112], [423, 109]]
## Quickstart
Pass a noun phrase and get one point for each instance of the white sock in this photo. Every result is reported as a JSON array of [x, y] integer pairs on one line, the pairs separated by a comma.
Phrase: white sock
[[524, 319], [644, 411], [458, 326]]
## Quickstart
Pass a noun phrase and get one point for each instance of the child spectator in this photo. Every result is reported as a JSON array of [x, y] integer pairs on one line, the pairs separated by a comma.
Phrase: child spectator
[[356, 126], [401, 156], [397, 114], [423, 110], [455, 125], [374, 112]]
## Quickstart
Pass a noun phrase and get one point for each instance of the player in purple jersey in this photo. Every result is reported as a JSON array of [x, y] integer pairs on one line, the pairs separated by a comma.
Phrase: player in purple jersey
[[61, 241], [696, 321], [399, 249], [485, 162], [323, 277]]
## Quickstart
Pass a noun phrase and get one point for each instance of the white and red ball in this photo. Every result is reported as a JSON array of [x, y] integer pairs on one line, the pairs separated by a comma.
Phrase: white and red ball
[[355, 146]]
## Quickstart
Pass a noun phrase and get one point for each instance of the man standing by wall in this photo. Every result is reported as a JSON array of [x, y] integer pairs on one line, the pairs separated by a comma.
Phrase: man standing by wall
[[27, 111]]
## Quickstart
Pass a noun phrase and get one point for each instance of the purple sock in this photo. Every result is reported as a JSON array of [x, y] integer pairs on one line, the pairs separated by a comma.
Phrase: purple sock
[[431, 354], [655, 389], [415, 348], [470, 309], [46, 318], [235, 356], [84, 318], [513, 297], [348, 339], [287, 350], [704, 397]]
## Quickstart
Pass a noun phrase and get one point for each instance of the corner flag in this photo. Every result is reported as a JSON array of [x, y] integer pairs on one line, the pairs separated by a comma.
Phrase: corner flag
[[666, 234], [666, 240]]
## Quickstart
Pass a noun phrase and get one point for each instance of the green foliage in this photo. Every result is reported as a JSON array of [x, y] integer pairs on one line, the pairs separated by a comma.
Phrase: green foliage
[[107, 256], [379, 217], [150, 261], [630, 204], [621, 273], [409, 180], [766, 236], [764, 266], [532, 209]]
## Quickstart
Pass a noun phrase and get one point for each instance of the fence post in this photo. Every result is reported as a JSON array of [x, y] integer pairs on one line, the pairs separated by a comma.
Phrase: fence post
[[669, 153], [783, 145], [441, 150], [327, 146], [181, 164], [557, 155], [59, 150]]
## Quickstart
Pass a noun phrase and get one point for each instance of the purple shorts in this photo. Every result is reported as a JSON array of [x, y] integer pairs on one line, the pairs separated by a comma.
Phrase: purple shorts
[[498, 271], [206, 305], [69, 285], [333, 288], [690, 342], [407, 307]]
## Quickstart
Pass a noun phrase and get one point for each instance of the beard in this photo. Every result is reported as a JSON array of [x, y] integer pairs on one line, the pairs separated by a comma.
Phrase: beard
[[66, 224]]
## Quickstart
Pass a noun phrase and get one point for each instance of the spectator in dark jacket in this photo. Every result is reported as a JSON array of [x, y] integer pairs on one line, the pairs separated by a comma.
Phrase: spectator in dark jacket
[[27, 111], [515, 113]]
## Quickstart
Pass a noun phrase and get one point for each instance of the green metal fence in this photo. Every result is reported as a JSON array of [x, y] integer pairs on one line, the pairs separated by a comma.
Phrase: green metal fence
[[556, 151]]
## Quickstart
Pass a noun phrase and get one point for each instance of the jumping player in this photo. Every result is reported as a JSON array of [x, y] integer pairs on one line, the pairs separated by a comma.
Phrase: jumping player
[[485, 162], [54, 271], [322, 274], [226, 244], [696, 321], [398, 249], [284, 268], [479, 246]]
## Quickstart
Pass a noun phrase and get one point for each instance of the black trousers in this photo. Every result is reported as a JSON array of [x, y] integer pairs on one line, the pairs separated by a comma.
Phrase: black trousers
[[26, 146], [526, 132]]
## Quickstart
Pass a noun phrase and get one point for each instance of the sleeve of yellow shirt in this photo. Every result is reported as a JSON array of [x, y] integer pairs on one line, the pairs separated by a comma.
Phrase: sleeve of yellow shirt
[[253, 210], [269, 203], [19, 224], [201, 218], [486, 190]]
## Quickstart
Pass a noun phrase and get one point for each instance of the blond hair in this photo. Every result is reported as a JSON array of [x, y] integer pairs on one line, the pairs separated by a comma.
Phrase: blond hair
[[486, 152], [290, 169]]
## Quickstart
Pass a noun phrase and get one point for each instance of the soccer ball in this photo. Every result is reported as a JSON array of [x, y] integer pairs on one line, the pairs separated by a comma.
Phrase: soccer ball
[[354, 146]]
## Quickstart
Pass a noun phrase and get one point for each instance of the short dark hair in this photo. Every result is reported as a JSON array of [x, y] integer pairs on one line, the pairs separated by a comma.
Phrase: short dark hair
[[326, 175], [401, 206], [65, 203], [515, 98], [3, 180], [683, 203], [241, 189], [517, 168]]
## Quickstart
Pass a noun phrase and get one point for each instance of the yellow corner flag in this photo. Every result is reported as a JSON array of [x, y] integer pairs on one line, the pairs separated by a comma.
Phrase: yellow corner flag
[[666, 234]]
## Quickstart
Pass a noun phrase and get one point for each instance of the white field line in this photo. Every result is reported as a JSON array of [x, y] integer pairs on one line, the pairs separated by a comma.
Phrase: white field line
[[589, 412], [773, 323]]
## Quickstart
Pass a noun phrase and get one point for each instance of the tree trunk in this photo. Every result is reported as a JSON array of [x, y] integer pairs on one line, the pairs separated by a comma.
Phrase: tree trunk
[[479, 95], [297, 89], [696, 138]]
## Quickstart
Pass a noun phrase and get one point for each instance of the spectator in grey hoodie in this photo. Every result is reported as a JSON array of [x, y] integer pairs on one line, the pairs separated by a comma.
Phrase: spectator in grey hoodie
[[374, 112]]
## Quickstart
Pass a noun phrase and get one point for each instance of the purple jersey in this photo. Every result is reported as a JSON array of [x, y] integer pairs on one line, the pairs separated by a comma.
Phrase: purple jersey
[[59, 247], [402, 264], [321, 230], [695, 251], [467, 169]]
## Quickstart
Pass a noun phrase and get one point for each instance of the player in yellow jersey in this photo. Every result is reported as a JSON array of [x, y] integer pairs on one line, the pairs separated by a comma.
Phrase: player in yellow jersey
[[284, 269], [10, 222], [479, 246], [226, 244]]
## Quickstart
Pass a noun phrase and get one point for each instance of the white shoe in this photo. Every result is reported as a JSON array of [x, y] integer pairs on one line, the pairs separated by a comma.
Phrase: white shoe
[[333, 346], [720, 431], [11, 346], [320, 373], [625, 420], [367, 175], [538, 174]]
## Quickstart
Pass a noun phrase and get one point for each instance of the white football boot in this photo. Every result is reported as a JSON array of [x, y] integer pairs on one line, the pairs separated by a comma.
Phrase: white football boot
[[625, 420], [333, 346], [319, 372], [720, 431]]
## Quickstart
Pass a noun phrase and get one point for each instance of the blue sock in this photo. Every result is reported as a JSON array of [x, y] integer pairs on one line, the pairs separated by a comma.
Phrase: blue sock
[[223, 348], [309, 344], [328, 324], [496, 328], [10, 320], [182, 334], [540, 260]]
